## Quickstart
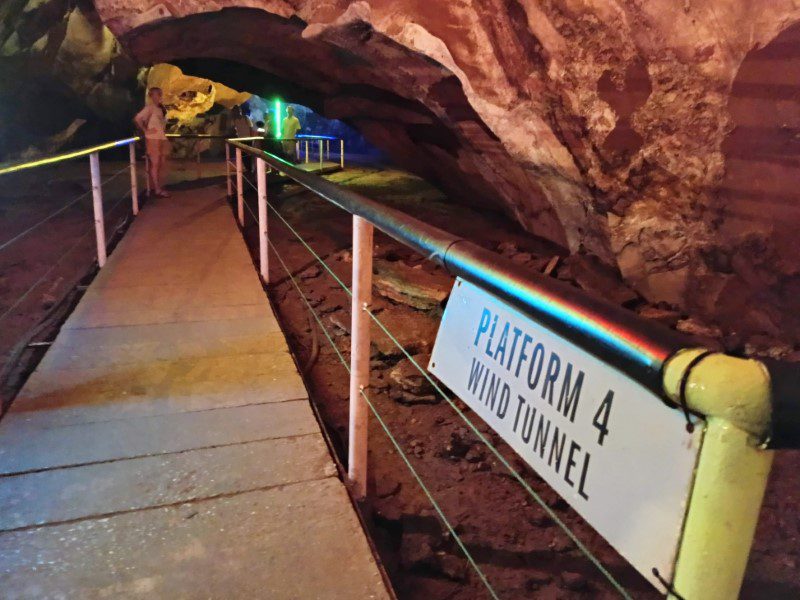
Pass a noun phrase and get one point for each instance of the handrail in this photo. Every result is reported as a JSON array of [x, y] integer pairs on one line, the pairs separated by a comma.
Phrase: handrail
[[735, 396], [303, 136], [11, 167], [204, 136], [637, 347], [14, 166]]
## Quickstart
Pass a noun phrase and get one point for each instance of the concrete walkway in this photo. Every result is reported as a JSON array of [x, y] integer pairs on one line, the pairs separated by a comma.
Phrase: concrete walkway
[[165, 446]]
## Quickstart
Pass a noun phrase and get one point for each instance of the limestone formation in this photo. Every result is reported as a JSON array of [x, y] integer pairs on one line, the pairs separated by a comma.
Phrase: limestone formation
[[62, 75], [186, 97]]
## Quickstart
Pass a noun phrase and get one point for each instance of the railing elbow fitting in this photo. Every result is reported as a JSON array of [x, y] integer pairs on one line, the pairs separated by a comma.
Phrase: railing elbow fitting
[[713, 384]]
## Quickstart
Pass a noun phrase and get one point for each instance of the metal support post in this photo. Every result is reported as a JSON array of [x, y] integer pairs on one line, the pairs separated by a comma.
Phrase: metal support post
[[228, 169], [732, 469], [97, 197], [328, 149], [359, 355], [239, 187], [341, 152], [320, 155], [306, 151], [261, 176], [723, 513], [134, 181]]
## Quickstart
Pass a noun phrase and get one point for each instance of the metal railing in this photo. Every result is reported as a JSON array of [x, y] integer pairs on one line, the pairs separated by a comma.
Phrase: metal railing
[[93, 152], [20, 336], [748, 406], [737, 398], [638, 347], [236, 165], [323, 152]]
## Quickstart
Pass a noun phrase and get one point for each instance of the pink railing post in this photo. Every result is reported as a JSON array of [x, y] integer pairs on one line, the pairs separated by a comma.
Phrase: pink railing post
[[97, 197], [359, 355], [261, 176], [134, 180], [228, 168], [239, 187], [147, 173]]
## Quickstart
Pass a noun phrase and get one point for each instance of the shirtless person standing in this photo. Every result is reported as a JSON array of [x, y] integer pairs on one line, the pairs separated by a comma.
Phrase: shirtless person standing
[[151, 121]]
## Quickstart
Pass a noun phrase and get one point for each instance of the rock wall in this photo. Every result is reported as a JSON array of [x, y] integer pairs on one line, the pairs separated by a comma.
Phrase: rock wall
[[62, 75], [614, 127]]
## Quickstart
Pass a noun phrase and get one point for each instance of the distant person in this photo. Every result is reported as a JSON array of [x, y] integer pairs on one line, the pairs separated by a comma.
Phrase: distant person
[[241, 123], [290, 127], [152, 122], [243, 128]]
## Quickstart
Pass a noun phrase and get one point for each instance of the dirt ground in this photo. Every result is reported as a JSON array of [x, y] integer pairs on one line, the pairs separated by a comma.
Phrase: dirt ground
[[521, 551]]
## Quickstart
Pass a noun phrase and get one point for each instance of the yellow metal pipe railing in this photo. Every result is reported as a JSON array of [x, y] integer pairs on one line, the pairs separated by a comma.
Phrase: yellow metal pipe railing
[[735, 397]]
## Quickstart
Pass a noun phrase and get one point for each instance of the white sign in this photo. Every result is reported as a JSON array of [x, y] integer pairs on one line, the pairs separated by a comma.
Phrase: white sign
[[608, 446]]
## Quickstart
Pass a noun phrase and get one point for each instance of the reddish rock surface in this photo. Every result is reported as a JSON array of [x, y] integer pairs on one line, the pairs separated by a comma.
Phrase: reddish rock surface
[[638, 132]]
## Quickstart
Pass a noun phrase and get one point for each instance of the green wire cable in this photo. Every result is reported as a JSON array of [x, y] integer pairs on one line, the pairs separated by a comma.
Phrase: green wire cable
[[431, 498], [308, 304], [71, 203], [255, 189], [501, 458], [311, 250], [74, 247], [303, 242]]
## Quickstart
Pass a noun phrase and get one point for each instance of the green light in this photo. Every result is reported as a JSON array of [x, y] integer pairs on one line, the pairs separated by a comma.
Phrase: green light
[[277, 119]]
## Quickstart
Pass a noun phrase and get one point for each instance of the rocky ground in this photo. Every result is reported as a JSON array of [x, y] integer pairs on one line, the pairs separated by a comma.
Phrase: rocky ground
[[523, 553], [39, 272]]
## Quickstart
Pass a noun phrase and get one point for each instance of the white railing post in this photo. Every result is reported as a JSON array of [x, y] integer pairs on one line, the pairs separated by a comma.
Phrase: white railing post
[[341, 152], [359, 355], [134, 181], [97, 197], [320, 155], [228, 168], [328, 149], [297, 151], [239, 187], [261, 176], [306, 150]]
